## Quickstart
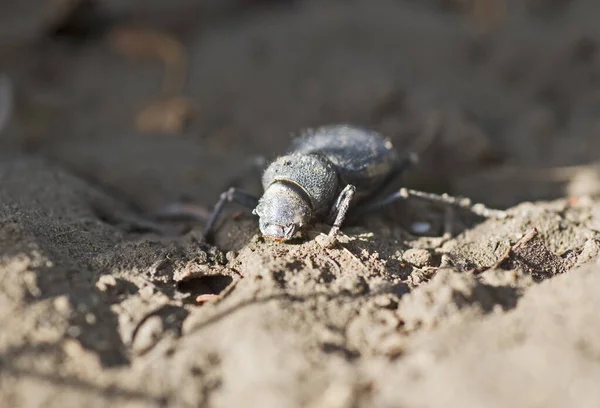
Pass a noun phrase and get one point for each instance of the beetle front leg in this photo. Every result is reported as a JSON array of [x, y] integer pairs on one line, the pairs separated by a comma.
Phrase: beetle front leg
[[340, 209], [236, 195]]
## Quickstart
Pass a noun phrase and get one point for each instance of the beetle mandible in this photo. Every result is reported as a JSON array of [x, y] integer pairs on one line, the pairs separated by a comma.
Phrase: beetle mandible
[[329, 173]]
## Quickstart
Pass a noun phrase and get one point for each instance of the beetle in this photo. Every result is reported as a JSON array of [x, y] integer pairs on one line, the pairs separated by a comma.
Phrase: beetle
[[329, 173]]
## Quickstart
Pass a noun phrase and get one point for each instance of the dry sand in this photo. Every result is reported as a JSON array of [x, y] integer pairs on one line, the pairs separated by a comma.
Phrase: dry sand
[[98, 305]]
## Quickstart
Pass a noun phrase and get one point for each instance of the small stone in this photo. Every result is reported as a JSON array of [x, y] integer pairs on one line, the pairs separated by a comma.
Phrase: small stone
[[62, 305], [332, 337], [30, 280], [73, 349], [146, 292], [590, 252], [207, 297], [147, 334], [230, 256], [385, 301], [446, 261], [326, 241], [106, 281], [420, 228], [418, 257], [74, 331]]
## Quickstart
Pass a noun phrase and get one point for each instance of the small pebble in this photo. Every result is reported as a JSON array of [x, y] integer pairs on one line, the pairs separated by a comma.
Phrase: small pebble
[[418, 257], [73, 349], [590, 252], [446, 261], [106, 281], [90, 318], [326, 241], [230, 256], [147, 334], [420, 228], [62, 305], [385, 301], [74, 331], [206, 298], [146, 292]]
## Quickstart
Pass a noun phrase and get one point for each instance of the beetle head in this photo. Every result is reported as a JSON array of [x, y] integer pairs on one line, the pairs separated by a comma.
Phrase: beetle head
[[282, 211]]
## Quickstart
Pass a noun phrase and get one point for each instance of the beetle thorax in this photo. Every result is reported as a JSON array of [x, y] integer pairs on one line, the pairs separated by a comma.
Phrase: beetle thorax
[[315, 176]]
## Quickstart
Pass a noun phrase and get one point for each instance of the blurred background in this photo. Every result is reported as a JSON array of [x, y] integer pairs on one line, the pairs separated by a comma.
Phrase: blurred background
[[166, 100]]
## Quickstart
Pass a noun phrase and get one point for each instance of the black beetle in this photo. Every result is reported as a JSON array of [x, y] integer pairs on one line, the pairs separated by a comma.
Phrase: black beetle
[[330, 172]]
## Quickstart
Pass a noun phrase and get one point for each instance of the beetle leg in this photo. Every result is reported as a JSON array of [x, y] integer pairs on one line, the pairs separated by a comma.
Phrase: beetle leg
[[236, 195], [341, 208], [460, 202]]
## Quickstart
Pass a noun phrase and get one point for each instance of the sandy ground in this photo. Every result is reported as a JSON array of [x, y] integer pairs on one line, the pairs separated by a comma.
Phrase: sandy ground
[[98, 304]]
